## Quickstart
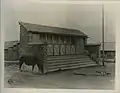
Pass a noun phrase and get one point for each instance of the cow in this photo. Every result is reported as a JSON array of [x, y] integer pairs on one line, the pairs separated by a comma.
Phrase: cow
[[30, 60]]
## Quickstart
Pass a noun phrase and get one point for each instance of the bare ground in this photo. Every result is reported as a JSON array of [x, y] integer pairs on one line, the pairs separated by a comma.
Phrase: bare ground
[[60, 80]]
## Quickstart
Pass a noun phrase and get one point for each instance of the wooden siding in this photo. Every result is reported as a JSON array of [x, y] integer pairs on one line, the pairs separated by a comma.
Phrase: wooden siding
[[61, 41], [60, 49], [23, 39], [109, 54], [12, 53], [93, 49], [50, 38]]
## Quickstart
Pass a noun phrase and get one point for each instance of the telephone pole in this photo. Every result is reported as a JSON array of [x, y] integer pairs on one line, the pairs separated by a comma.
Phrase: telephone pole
[[103, 53]]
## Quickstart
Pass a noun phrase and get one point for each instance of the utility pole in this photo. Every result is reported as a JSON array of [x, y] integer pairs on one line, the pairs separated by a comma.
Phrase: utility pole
[[103, 57]]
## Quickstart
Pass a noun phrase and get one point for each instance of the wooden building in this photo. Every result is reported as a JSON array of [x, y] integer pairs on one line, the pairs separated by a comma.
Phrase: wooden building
[[94, 49], [11, 50], [58, 48], [109, 50]]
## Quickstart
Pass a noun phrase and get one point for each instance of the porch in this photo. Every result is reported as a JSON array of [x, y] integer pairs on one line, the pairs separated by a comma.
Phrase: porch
[[61, 56]]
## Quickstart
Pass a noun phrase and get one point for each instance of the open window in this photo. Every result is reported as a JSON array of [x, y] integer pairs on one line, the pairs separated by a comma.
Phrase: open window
[[72, 40], [42, 38], [30, 36]]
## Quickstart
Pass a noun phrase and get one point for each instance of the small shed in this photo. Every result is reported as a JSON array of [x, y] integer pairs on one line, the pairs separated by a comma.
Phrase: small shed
[[93, 48], [109, 50], [11, 50]]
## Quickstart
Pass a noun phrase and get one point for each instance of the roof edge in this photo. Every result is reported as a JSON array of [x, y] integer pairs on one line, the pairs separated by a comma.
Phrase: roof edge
[[56, 33], [22, 24]]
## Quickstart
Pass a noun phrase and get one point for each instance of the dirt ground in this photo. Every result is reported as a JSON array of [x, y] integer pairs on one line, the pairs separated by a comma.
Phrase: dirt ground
[[60, 80]]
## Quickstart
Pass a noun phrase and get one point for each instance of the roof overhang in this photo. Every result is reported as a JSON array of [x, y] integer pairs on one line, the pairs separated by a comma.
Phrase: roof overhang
[[36, 28], [36, 32]]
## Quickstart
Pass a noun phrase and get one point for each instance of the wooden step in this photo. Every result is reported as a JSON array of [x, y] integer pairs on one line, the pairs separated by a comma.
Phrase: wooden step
[[49, 59], [64, 60], [71, 55], [54, 63], [67, 62], [85, 65], [68, 65], [65, 57], [75, 67]]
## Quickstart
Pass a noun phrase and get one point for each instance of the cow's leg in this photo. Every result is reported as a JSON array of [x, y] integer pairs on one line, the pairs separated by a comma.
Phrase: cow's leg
[[41, 66], [33, 67], [20, 65], [40, 69]]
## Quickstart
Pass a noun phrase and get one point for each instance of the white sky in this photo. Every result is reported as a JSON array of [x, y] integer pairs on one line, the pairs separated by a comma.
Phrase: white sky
[[85, 17]]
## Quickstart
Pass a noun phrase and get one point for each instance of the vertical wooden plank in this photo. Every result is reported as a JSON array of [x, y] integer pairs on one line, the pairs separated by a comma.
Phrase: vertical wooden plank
[[70, 44], [59, 42], [65, 43], [82, 45], [59, 49], [70, 39], [53, 49], [65, 49], [75, 44], [58, 39], [53, 44], [78, 46], [53, 39], [46, 37], [56, 49], [41, 38], [99, 54]]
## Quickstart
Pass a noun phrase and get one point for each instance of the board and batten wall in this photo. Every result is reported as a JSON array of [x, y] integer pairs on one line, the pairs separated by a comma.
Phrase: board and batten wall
[[57, 39], [23, 40], [12, 53]]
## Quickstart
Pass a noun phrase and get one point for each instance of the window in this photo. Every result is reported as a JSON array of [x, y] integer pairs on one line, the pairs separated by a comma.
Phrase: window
[[110, 55], [84, 40], [56, 39], [30, 37], [62, 39], [68, 39], [42, 37], [72, 40], [49, 38]]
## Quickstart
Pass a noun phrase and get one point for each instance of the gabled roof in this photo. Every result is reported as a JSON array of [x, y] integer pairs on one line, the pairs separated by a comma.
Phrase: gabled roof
[[109, 46], [9, 44], [50, 29]]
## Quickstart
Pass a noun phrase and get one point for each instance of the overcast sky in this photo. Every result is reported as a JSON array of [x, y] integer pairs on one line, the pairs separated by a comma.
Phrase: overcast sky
[[85, 17]]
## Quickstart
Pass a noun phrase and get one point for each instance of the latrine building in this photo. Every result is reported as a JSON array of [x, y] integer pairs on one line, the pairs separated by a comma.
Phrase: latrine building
[[58, 48]]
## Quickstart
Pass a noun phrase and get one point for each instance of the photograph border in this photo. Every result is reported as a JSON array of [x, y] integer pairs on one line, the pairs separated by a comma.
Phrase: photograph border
[[33, 90]]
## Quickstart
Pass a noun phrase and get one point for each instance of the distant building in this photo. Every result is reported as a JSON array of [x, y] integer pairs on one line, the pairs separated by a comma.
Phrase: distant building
[[11, 50], [109, 50], [58, 48], [94, 48]]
